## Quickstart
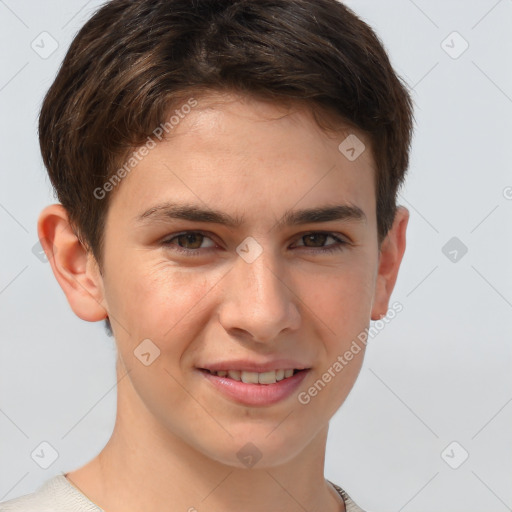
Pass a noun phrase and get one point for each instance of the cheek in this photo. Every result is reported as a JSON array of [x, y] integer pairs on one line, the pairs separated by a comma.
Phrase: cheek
[[341, 309], [157, 301], [342, 296]]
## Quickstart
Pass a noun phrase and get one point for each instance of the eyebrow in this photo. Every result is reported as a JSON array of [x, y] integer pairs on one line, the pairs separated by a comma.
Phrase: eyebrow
[[195, 213]]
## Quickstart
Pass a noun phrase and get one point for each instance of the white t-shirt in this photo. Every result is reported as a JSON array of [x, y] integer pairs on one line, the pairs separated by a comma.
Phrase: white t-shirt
[[59, 495]]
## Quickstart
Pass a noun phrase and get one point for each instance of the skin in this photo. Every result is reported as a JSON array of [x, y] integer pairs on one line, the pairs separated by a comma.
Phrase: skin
[[176, 438]]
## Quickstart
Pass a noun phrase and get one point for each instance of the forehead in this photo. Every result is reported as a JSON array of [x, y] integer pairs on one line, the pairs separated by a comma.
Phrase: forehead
[[246, 152]]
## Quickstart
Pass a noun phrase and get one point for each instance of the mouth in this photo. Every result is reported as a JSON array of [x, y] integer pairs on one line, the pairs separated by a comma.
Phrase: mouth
[[258, 389], [248, 377]]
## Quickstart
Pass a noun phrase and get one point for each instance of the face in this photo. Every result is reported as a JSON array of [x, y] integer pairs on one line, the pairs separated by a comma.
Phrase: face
[[276, 287]]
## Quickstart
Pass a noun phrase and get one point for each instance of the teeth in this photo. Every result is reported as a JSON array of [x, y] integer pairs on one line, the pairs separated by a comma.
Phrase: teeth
[[270, 377], [234, 374], [267, 377], [249, 377]]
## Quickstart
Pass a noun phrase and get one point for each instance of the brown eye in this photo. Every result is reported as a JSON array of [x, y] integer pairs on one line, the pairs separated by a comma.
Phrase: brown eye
[[315, 237], [193, 239], [317, 240], [189, 241]]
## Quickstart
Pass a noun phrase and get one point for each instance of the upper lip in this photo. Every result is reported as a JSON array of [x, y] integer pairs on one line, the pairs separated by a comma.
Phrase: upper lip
[[253, 366]]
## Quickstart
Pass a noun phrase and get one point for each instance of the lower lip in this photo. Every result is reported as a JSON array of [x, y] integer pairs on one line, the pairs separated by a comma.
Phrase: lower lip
[[256, 394]]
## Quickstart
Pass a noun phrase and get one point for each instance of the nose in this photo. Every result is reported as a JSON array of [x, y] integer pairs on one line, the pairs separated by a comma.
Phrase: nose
[[259, 300]]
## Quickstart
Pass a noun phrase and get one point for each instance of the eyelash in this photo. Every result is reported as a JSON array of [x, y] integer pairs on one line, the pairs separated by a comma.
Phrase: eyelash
[[198, 252]]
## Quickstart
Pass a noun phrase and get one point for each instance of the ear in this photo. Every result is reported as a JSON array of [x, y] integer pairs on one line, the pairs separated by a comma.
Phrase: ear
[[74, 267], [390, 256]]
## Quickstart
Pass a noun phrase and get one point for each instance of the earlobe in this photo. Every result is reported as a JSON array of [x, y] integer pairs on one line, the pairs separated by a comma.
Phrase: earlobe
[[74, 267], [391, 254]]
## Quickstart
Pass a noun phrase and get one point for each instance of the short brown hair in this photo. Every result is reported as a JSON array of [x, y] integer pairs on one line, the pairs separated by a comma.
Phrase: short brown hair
[[135, 60]]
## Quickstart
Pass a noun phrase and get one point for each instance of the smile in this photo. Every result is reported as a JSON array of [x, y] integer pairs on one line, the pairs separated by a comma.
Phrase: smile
[[270, 377], [253, 388]]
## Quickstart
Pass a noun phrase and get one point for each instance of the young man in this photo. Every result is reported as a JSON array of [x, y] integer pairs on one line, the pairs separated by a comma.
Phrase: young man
[[227, 172]]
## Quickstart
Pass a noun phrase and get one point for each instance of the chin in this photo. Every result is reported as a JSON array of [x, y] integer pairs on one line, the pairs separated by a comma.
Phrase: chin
[[258, 450]]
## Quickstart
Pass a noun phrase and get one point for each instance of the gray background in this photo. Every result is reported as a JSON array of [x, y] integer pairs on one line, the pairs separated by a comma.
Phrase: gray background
[[438, 373]]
